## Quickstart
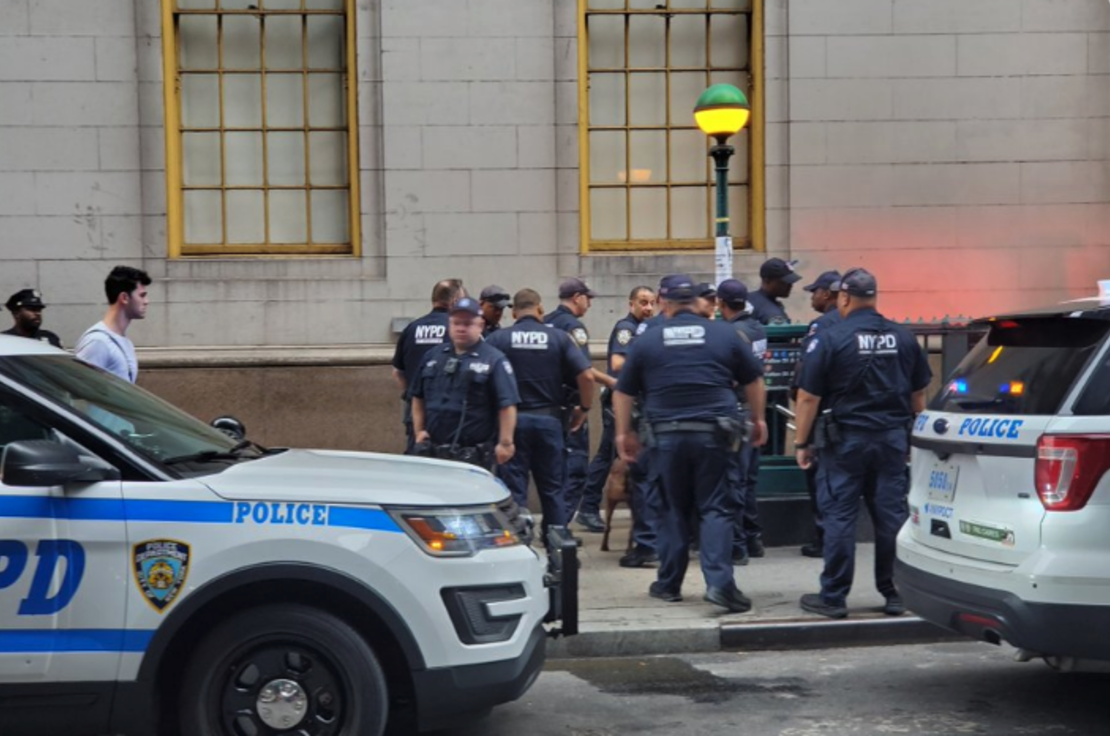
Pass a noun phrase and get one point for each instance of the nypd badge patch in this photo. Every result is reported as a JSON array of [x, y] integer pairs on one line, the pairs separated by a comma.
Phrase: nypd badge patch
[[580, 336], [161, 567], [624, 336]]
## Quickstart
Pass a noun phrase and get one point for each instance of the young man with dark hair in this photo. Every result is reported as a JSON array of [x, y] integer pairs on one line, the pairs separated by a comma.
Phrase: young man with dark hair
[[106, 344]]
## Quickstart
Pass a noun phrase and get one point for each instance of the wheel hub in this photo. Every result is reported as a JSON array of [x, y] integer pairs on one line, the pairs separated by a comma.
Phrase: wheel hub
[[282, 704]]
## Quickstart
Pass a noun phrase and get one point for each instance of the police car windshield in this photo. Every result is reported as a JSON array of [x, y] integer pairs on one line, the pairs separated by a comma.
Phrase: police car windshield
[[1023, 366], [151, 426]]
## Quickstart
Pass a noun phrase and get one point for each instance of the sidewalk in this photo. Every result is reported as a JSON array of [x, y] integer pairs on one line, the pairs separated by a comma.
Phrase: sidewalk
[[618, 618]]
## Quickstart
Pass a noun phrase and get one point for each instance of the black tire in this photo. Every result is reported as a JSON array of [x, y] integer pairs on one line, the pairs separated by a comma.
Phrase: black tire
[[343, 683]]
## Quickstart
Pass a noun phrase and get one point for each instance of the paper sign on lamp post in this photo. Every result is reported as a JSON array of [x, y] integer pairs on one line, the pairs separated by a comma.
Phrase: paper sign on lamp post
[[721, 112]]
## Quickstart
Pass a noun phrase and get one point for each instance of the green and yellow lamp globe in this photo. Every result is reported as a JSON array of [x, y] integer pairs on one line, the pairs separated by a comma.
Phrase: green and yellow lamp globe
[[722, 111]]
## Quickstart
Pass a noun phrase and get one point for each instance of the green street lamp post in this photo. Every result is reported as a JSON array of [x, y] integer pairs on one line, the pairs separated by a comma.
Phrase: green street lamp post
[[721, 112]]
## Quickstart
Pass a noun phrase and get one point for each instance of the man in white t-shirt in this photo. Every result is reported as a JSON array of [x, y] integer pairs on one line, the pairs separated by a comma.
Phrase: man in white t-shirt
[[106, 344]]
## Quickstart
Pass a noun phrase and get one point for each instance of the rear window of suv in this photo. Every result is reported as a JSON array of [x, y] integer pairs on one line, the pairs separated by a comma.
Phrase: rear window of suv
[[1023, 366]]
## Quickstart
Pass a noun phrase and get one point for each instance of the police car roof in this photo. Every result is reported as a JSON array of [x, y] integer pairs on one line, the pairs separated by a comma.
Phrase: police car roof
[[14, 345], [1090, 308]]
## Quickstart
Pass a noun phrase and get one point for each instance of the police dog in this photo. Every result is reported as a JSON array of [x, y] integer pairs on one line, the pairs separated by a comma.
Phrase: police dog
[[616, 492]]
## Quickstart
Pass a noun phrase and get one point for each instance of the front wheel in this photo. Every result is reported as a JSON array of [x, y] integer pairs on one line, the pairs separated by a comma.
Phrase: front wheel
[[283, 669]]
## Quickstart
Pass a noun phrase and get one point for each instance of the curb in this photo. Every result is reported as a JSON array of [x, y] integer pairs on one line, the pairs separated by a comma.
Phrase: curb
[[748, 636]]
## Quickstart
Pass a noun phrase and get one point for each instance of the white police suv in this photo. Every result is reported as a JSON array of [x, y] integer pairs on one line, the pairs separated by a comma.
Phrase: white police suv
[[1009, 531], [159, 577]]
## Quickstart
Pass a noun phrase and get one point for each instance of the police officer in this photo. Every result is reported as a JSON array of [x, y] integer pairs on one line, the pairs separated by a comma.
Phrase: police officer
[[575, 299], [418, 337], [464, 397], [544, 360], [706, 303], [26, 307], [493, 299], [641, 307], [823, 295], [748, 542], [777, 281], [687, 369], [871, 374]]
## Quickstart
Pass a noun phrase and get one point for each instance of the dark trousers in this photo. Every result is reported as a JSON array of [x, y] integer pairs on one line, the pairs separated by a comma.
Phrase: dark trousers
[[870, 466], [577, 456], [598, 470], [747, 508], [540, 451], [406, 419], [694, 473], [811, 489], [643, 486]]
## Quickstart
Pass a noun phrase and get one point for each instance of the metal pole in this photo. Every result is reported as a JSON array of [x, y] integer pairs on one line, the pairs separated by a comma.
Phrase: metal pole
[[721, 153]]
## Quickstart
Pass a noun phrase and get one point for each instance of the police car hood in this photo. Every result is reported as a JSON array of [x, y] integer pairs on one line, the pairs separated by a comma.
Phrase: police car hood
[[326, 476]]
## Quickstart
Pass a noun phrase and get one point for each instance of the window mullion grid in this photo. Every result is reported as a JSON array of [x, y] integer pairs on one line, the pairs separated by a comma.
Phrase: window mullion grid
[[667, 134], [223, 128], [265, 131], [710, 209], [307, 131], [627, 128]]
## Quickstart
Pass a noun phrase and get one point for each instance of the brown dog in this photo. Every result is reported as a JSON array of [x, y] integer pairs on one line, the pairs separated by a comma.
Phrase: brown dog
[[616, 492]]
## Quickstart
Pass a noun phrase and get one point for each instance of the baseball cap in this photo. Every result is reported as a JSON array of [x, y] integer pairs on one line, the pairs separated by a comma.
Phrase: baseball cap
[[677, 288], [467, 304], [495, 295], [25, 298], [776, 268], [828, 280], [732, 291], [706, 290], [574, 287], [859, 282]]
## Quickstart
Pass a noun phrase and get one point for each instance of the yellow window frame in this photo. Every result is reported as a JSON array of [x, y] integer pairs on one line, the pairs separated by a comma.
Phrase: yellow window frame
[[175, 203], [757, 215]]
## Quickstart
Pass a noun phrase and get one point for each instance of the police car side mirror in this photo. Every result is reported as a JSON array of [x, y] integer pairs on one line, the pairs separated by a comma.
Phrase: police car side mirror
[[45, 463], [230, 426]]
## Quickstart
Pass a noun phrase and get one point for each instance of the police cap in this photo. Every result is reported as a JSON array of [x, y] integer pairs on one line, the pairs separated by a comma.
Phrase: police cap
[[776, 268], [467, 305], [495, 295], [707, 290], [25, 298], [677, 288], [573, 287], [859, 282], [829, 280], [732, 292]]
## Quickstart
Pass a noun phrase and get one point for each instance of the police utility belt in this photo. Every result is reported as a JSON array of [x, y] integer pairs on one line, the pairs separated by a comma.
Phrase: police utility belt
[[480, 454], [730, 430]]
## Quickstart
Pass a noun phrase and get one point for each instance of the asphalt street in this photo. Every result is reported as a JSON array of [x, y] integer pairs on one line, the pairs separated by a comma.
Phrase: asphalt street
[[958, 688]]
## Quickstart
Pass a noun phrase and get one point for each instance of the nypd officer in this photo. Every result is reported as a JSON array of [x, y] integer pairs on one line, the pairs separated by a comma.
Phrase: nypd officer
[[823, 296], [732, 301], [418, 337], [493, 299], [544, 360], [26, 307], [575, 299], [687, 369], [464, 398], [777, 278], [871, 375]]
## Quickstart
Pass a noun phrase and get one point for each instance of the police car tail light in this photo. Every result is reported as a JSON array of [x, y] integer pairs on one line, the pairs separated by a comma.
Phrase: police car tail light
[[457, 532], [1069, 468]]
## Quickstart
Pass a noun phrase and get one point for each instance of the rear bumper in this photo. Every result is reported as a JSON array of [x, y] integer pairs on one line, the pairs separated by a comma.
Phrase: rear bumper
[[1066, 630], [447, 695]]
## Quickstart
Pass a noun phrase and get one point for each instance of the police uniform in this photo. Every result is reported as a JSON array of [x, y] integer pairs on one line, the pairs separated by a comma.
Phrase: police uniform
[[748, 529], [766, 308], [686, 370], [418, 337], [463, 396], [30, 298], [865, 369], [578, 443], [544, 360], [625, 331]]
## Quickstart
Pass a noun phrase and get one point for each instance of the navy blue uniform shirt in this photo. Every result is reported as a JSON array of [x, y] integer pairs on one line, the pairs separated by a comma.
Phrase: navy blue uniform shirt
[[40, 335], [624, 332], [866, 369], [563, 319], [482, 376], [686, 369], [418, 337], [749, 327], [544, 360], [820, 324], [767, 310]]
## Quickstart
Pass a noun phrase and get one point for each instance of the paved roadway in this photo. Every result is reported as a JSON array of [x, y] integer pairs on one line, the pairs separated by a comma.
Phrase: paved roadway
[[959, 688]]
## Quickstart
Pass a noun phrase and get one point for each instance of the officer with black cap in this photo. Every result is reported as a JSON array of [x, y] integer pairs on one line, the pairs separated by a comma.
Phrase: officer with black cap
[[418, 337], [823, 296], [575, 299], [871, 375], [464, 398], [544, 360], [778, 278], [26, 307], [493, 299], [686, 370], [706, 303], [732, 298]]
